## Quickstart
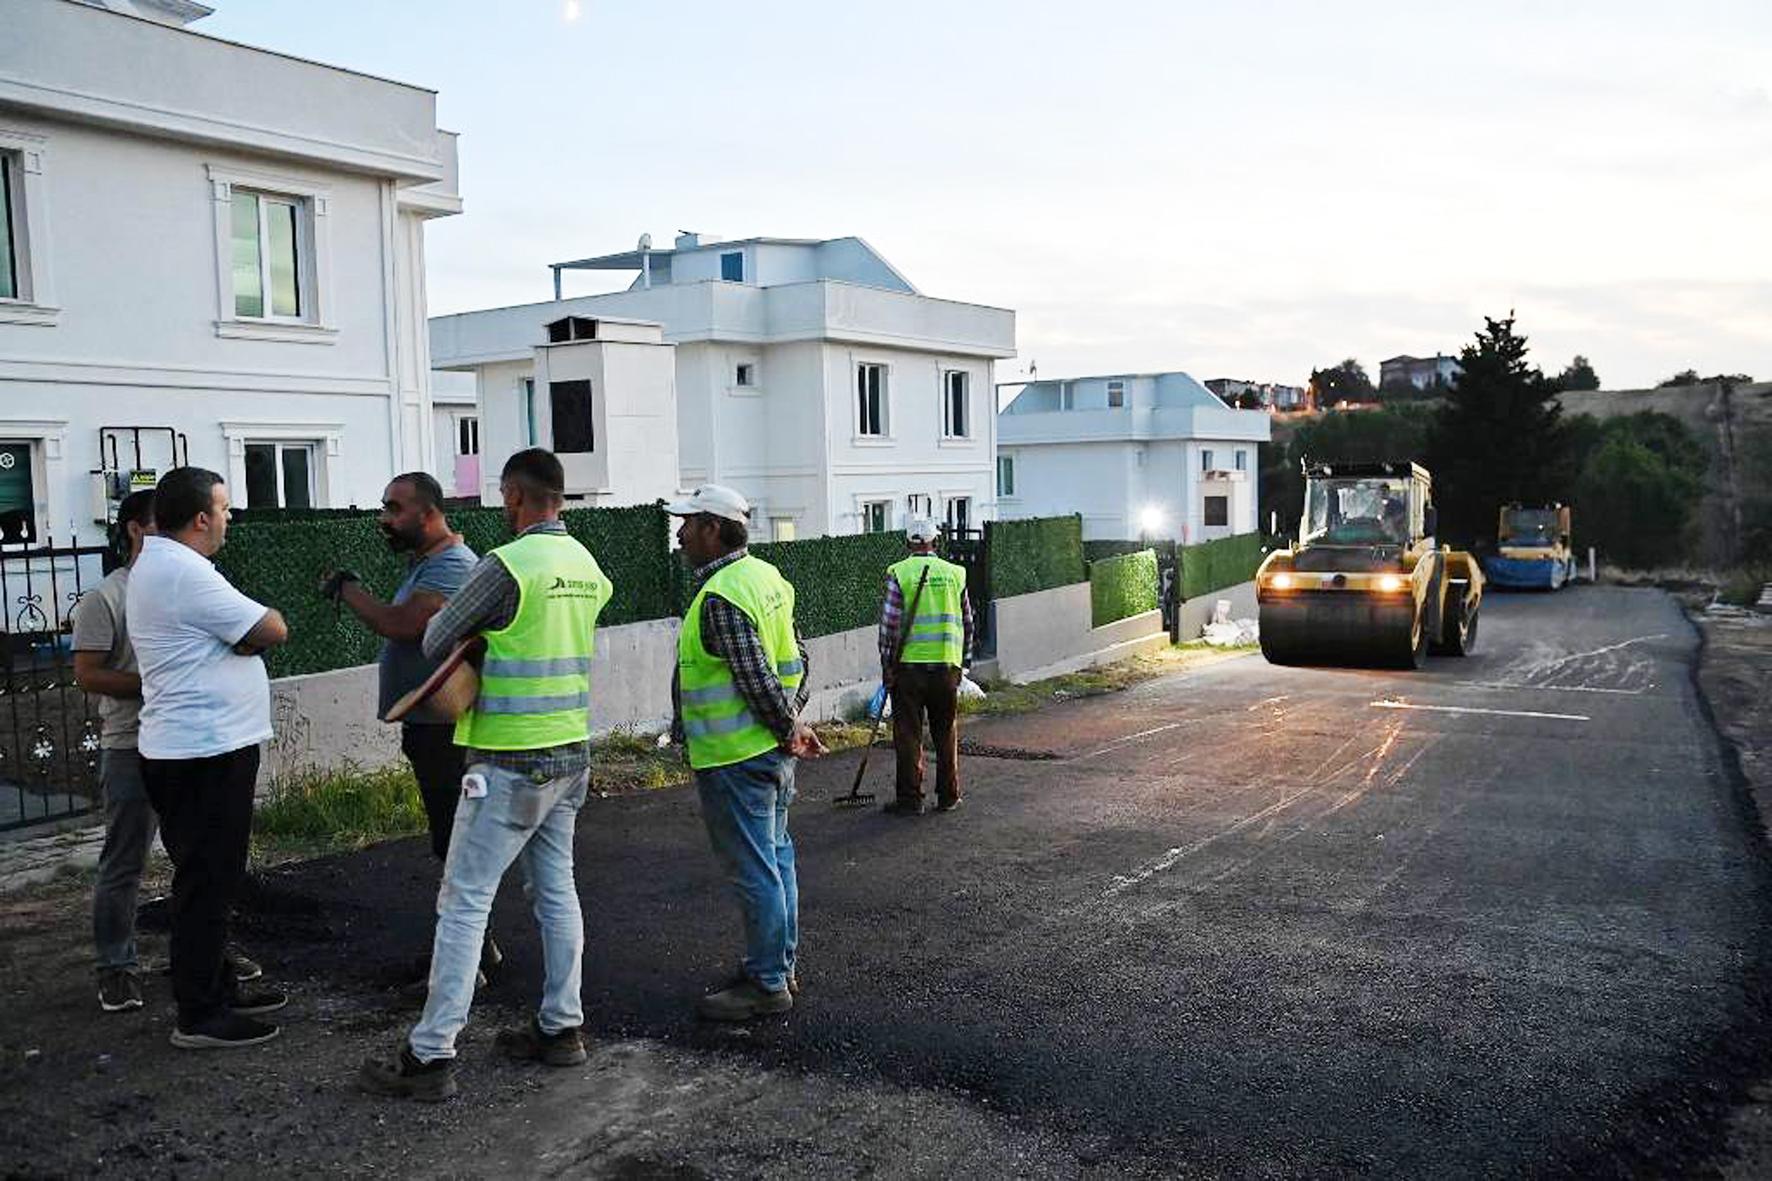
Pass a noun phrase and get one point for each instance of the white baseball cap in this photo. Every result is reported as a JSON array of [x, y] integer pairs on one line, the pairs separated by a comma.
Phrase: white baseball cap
[[717, 500], [922, 529]]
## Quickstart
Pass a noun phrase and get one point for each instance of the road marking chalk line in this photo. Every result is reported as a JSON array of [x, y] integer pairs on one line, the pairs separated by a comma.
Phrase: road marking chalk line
[[1472, 709], [1119, 742]]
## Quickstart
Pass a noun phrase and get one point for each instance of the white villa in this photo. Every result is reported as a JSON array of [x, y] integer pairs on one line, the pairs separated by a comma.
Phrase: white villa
[[1152, 455], [222, 246], [810, 375]]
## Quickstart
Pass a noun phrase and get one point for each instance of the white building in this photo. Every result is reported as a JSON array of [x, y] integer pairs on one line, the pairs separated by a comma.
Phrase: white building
[[810, 375], [1138, 455], [221, 245], [1423, 373]]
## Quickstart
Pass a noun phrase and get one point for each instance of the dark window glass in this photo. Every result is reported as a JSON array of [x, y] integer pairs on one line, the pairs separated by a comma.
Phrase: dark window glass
[[732, 267], [1218, 510], [573, 430], [261, 475], [18, 496], [8, 252], [297, 492], [1116, 394]]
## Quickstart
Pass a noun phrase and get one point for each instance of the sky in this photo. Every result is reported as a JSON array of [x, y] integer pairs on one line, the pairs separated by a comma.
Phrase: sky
[[1243, 190]]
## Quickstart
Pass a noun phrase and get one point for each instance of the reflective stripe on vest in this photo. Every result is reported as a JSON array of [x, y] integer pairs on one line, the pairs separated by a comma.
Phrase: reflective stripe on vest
[[938, 634], [535, 683], [717, 723]]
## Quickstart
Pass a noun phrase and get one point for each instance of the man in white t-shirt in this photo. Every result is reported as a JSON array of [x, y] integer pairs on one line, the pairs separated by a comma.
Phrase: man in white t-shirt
[[206, 705]]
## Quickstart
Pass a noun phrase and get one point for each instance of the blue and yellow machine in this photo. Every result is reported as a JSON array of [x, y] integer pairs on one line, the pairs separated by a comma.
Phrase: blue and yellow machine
[[1532, 548]]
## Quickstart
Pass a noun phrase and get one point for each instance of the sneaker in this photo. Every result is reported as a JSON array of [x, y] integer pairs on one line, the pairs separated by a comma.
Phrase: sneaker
[[948, 805], [243, 966], [119, 990], [254, 1002], [903, 808], [528, 1043], [225, 1031], [405, 1077], [740, 976], [742, 1002]]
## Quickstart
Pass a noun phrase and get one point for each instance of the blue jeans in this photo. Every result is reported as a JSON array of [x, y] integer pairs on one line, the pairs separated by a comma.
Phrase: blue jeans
[[745, 808], [517, 818]]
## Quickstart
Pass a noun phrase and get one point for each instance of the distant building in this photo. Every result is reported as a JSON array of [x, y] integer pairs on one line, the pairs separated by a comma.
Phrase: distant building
[[810, 375], [1138, 455], [1421, 372], [1269, 395]]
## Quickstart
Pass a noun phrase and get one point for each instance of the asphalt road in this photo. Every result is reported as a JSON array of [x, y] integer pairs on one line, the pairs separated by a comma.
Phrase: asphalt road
[[1506, 915]]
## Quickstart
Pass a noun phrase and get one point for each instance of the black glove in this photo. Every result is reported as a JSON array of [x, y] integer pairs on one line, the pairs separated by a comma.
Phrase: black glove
[[334, 586]]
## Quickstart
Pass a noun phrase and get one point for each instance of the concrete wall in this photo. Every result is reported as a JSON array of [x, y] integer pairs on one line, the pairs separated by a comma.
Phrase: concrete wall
[[1197, 613], [1048, 633]]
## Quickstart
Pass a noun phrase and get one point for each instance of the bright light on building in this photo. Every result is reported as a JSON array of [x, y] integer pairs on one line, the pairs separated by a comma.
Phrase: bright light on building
[[1150, 518], [572, 11]]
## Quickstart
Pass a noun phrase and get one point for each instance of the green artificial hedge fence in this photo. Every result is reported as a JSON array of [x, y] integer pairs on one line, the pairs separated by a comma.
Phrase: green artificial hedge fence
[[1121, 587], [1035, 555], [838, 581], [1214, 565], [278, 561]]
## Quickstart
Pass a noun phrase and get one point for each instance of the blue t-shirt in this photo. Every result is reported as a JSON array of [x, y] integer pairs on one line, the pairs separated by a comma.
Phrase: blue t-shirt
[[403, 664]]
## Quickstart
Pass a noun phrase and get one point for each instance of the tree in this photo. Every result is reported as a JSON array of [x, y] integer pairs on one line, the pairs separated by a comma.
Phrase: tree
[[1683, 377], [1690, 377], [1579, 375], [1638, 490], [1498, 437], [1346, 382]]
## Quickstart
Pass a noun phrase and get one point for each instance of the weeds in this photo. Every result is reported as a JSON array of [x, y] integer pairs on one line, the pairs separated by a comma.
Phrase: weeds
[[343, 808]]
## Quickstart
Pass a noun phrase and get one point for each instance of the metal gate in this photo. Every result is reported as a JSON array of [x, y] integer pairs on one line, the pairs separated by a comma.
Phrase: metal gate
[[971, 549], [49, 728]]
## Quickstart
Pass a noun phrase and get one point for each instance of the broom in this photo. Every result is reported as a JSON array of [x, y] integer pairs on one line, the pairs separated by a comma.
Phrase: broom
[[857, 796]]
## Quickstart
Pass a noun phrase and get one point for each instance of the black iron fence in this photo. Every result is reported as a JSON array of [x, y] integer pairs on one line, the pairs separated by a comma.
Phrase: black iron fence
[[49, 728], [970, 549]]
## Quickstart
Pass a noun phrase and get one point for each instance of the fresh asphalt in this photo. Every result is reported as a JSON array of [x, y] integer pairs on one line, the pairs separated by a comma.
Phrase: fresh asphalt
[[1503, 915]]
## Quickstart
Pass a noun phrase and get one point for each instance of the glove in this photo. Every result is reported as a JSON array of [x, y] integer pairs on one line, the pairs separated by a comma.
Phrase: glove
[[334, 585]]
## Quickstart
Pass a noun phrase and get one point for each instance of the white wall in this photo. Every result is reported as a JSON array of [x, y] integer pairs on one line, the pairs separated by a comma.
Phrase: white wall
[[1111, 483]]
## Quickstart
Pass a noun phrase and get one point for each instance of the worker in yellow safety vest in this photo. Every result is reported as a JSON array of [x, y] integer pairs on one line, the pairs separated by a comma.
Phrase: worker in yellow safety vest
[[742, 681], [925, 637]]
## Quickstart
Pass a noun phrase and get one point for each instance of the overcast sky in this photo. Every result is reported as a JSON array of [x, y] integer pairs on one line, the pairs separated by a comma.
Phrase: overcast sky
[[1247, 190]]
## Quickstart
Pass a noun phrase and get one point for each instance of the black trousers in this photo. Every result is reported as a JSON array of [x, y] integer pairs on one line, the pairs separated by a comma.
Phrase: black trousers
[[205, 808], [438, 764]]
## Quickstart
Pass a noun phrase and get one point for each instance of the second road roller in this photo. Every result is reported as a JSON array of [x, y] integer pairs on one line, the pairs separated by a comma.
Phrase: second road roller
[[1366, 583]]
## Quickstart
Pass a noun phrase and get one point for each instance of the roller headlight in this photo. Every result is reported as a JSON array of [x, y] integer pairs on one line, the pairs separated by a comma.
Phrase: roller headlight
[[1281, 581], [1390, 583]]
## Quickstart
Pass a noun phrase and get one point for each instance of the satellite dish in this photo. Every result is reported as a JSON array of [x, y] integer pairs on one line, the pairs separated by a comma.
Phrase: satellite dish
[[645, 241]]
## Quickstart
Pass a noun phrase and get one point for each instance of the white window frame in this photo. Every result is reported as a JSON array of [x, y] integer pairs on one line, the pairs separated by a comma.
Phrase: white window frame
[[527, 426], [327, 439], [1067, 395], [1006, 488], [468, 420], [885, 408], [1206, 459], [863, 509], [278, 448], [1240, 458], [947, 509], [740, 370], [313, 246], [1116, 387], [948, 434], [24, 156], [45, 437]]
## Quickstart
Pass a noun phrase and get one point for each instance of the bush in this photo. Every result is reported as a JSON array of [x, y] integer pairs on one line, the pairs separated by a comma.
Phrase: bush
[[278, 561], [1035, 555], [1640, 484], [1214, 565], [1122, 587], [348, 805], [838, 581]]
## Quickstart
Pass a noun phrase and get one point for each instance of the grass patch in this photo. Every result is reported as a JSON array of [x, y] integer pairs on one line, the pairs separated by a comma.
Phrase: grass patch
[[1002, 698], [344, 808]]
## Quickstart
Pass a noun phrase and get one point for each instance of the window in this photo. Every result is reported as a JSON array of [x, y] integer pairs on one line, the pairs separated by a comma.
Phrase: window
[[732, 267], [1242, 460], [782, 528], [279, 475], [1005, 475], [1206, 459], [959, 513], [745, 376], [1218, 510], [920, 504], [1116, 394], [267, 250], [870, 390], [571, 404], [467, 435], [1067, 395], [18, 493], [9, 281], [956, 405], [526, 388], [876, 516]]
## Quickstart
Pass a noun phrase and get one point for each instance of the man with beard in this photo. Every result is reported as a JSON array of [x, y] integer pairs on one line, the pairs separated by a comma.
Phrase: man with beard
[[412, 520]]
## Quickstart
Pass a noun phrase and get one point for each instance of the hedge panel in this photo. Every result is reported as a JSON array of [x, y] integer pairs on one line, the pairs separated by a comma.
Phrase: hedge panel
[[278, 561], [1121, 587], [1214, 565], [838, 581], [1037, 554]]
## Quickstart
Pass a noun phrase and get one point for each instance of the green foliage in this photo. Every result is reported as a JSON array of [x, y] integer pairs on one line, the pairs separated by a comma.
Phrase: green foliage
[[1037, 554], [279, 560], [1638, 489], [1346, 382], [1579, 375], [1754, 463], [1124, 586], [346, 806], [838, 581], [1214, 565], [1498, 437]]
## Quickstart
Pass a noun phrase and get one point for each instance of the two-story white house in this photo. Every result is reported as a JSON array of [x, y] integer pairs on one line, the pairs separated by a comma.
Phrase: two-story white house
[[810, 375], [211, 254], [1152, 455]]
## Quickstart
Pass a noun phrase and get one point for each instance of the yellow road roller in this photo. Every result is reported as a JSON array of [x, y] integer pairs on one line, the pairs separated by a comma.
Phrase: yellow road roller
[[1365, 583]]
